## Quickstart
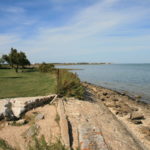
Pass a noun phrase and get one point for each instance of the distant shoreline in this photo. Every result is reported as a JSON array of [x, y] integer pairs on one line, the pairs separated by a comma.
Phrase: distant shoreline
[[82, 63]]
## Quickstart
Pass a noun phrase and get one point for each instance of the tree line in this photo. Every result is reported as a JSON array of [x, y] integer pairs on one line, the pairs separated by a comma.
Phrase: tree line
[[15, 59]]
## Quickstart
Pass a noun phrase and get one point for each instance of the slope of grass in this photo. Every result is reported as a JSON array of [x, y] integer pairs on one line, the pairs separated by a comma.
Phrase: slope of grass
[[26, 84]]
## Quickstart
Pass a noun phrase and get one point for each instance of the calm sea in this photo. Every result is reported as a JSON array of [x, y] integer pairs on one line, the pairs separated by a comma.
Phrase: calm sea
[[133, 79]]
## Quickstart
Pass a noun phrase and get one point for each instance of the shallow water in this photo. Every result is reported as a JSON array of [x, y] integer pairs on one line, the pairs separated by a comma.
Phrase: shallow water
[[134, 79]]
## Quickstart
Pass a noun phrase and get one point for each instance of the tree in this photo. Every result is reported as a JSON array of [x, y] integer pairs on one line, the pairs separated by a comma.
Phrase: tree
[[16, 59], [2, 61], [23, 61]]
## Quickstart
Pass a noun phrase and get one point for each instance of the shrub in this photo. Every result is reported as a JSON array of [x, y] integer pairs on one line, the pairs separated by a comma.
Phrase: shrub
[[41, 144], [46, 67], [68, 84], [5, 146]]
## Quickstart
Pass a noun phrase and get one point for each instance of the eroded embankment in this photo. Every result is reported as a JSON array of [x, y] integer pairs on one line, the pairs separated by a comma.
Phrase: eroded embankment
[[105, 120]]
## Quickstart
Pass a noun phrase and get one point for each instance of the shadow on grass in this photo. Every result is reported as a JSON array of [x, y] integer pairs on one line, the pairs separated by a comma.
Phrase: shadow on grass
[[11, 77]]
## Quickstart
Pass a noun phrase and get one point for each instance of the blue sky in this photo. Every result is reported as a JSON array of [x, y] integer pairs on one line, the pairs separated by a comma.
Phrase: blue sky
[[77, 30]]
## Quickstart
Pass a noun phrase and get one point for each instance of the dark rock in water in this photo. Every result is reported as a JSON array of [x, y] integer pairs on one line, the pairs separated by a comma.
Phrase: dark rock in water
[[136, 116]]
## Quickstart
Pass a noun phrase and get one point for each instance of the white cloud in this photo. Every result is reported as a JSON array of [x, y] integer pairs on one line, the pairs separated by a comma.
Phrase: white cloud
[[85, 32], [12, 9]]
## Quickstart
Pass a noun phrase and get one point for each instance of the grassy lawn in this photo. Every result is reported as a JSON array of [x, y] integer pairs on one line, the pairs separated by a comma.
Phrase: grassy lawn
[[25, 84]]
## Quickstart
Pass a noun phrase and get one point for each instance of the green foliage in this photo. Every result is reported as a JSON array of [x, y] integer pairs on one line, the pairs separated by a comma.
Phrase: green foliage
[[46, 67], [36, 144], [5, 146], [2, 60], [41, 144], [16, 59], [68, 84]]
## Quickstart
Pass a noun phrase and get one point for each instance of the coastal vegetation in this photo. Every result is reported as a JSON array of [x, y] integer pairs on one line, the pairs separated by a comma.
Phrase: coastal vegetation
[[69, 84], [37, 144], [46, 67]]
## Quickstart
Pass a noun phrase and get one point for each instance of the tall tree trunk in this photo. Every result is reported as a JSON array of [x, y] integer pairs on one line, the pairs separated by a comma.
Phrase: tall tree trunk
[[16, 68]]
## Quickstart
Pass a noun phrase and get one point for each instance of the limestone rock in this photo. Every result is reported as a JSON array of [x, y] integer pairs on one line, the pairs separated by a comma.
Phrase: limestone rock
[[136, 116], [21, 122], [32, 131], [39, 117], [90, 138], [145, 130], [12, 109], [136, 121]]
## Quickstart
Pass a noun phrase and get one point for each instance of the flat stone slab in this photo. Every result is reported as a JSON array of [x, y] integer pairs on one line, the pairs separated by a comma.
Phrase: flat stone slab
[[13, 108], [90, 138]]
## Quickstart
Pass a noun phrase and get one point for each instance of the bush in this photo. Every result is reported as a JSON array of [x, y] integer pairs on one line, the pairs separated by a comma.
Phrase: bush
[[41, 144], [5, 146], [68, 84], [36, 144], [46, 67]]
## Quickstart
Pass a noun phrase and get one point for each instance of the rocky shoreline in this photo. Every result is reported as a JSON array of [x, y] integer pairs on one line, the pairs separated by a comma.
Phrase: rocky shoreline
[[104, 120], [134, 114]]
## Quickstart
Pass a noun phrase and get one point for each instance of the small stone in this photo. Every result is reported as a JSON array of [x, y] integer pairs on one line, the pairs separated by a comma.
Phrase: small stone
[[21, 122], [145, 130], [115, 99], [134, 109], [39, 117], [105, 93], [136, 121], [103, 99], [147, 138], [136, 116]]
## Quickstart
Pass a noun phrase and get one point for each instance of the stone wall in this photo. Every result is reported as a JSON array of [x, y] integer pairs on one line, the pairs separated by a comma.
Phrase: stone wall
[[14, 108]]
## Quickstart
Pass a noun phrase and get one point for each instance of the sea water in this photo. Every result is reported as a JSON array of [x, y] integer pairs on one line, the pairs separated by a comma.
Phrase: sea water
[[134, 79]]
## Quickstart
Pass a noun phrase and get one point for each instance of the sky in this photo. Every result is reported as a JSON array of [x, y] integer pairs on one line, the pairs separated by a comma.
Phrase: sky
[[116, 31]]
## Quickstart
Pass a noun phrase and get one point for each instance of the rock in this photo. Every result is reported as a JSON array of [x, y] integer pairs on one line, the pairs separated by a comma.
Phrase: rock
[[134, 109], [39, 117], [8, 113], [110, 104], [115, 99], [136, 121], [21, 122], [145, 130], [103, 99], [147, 138], [105, 93], [32, 131], [12, 109], [90, 138], [136, 116]]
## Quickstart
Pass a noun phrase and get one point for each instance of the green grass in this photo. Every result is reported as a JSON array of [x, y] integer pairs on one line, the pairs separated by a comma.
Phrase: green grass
[[69, 84], [24, 84]]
